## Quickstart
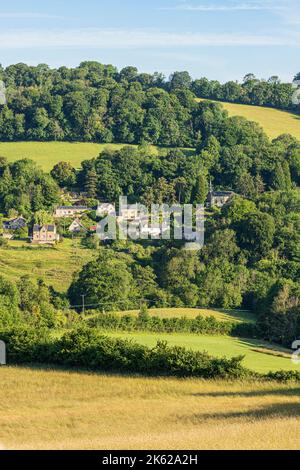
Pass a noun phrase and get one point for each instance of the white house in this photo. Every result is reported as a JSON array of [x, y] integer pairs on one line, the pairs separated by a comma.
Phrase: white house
[[105, 208], [70, 211], [76, 227], [45, 234]]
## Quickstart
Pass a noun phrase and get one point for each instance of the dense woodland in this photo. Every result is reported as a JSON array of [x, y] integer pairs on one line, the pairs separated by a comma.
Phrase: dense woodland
[[251, 257], [252, 91], [97, 103]]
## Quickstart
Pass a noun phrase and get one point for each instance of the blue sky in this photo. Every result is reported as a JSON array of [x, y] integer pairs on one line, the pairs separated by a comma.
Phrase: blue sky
[[220, 39]]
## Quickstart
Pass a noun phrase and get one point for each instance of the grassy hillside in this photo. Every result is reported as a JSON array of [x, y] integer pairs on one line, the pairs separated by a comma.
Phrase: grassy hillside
[[258, 354], [112, 412], [55, 265], [221, 315], [274, 121], [47, 154]]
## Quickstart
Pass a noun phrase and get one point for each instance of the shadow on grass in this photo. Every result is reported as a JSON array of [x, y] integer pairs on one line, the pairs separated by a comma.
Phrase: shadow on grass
[[259, 343], [279, 410], [69, 369], [295, 391]]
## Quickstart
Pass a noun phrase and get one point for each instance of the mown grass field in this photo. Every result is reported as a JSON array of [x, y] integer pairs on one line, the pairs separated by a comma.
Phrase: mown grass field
[[46, 409], [47, 154], [274, 121], [260, 356], [56, 265], [221, 315]]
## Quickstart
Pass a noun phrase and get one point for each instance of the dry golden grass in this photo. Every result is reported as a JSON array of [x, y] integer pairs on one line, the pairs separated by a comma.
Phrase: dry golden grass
[[44, 409]]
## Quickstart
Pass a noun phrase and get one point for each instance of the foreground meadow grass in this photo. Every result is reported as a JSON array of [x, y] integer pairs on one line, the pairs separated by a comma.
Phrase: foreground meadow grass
[[46, 409], [274, 121]]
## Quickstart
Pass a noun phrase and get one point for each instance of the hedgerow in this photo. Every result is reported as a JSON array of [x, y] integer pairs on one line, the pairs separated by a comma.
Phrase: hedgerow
[[87, 348], [198, 325]]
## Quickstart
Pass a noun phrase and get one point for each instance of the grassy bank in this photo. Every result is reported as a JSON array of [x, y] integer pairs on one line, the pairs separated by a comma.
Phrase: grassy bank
[[219, 314], [55, 265]]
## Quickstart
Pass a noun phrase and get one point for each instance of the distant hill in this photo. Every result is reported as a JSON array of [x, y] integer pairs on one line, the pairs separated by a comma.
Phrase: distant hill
[[274, 121]]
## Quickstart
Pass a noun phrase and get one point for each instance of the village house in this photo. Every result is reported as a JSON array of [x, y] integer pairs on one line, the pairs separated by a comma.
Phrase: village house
[[11, 226], [77, 227], [73, 197], [105, 208], [45, 234], [70, 211], [218, 198], [14, 224], [129, 213]]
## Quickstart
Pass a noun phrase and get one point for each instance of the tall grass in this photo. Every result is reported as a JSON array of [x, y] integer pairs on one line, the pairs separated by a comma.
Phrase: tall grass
[[56, 409]]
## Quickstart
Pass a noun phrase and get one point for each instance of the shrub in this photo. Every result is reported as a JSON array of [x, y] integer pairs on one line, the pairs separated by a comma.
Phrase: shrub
[[26, 344], [85, 347], [284, 376]]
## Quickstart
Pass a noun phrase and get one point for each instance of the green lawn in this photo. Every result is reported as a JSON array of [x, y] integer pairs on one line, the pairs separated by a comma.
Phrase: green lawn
[[274, 121], [221, 346], [47, 154], [56, 265]]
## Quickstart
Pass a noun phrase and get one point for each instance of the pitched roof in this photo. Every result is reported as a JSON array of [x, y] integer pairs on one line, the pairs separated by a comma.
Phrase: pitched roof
[[48, 227], [72, 208], [16, 223], [222, 193], [77, 223]]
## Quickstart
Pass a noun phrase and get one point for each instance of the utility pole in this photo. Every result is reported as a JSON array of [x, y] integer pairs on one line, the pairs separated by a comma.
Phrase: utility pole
[[83, 305]]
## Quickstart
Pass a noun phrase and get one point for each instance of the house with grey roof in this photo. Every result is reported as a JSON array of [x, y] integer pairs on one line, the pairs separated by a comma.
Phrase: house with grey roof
[[45, 234], [10, 227], [218, 198], [70, 211]]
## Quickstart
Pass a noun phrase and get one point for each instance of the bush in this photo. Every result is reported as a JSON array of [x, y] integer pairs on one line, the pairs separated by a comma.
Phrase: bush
[[284, 376], [26, 344], [86, 348]]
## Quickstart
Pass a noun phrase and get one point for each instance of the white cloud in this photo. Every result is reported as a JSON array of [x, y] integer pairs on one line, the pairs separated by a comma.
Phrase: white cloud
[[123, 39], [257, 6]]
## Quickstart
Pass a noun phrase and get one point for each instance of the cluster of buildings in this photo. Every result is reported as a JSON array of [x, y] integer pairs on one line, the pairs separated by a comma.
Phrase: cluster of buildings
[[47, 234]]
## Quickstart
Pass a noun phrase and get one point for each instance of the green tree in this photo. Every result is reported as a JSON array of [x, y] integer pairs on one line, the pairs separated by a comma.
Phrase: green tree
[[256, 233], [64, 174]]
